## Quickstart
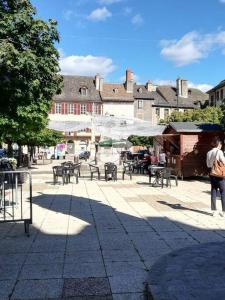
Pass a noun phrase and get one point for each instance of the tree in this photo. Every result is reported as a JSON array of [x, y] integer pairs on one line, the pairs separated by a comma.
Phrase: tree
[[28, 70], [141, 140], [207, 115]]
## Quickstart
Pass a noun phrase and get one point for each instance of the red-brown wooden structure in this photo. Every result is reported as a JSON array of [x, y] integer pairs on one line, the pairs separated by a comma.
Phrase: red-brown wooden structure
[[186, 145]]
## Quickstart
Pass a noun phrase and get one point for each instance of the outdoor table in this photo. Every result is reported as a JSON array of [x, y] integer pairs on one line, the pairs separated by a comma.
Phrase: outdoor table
[[156, 170]]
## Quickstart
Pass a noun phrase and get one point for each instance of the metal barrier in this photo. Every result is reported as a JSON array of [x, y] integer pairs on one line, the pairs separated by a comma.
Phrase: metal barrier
[[16, 197]]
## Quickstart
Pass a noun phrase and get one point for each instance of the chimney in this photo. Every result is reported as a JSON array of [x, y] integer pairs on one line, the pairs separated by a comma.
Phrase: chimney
[[182, 88], [129, 81], [97, 82], [101, 82], [150, 86]]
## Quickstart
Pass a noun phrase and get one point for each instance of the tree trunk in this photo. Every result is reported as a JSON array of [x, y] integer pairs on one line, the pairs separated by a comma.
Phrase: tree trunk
[[9, 149], [19, 162], [30, 156]]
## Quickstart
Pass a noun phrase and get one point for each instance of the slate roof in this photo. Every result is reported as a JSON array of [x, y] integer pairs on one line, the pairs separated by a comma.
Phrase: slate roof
[[116, 92], [194, 127], [166, 96], [71, 89], [218, 86], [144, 94]]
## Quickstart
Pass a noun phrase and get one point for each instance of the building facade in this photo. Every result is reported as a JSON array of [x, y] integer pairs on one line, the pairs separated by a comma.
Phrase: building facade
[[217, 94], [154, 103], [83, 96]]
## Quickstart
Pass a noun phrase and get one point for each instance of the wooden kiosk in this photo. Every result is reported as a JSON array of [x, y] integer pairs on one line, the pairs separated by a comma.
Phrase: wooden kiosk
[[186, 145]]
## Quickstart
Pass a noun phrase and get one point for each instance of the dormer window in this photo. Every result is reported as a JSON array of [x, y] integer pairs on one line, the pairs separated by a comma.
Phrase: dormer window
[[83, 91], [140, 90], [115, 90], [189, 92]]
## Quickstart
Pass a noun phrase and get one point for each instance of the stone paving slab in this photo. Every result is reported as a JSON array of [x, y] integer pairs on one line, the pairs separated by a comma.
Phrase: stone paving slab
[[114, 230], [190, 273]]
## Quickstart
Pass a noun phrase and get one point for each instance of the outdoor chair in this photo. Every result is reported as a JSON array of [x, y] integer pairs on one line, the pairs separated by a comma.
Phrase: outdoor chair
[[78, 167], [127, 169], [110, 171], [59, 171], [174, 175], [166, 176], [94, 169], [72, 171], [152, 174]]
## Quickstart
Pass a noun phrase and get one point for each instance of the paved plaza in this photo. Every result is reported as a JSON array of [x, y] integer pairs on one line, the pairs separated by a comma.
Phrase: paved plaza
[[98, 240]]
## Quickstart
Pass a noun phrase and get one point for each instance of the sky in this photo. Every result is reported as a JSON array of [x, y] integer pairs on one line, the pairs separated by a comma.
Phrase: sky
[[159, 40]]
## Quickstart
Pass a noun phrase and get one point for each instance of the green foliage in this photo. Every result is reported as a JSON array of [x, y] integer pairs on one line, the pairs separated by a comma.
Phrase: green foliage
[[206, 115], [141, 140], [28, 69], [46, 137]]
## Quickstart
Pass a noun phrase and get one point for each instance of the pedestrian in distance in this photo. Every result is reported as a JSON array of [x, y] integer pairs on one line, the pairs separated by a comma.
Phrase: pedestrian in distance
[[217, 183]]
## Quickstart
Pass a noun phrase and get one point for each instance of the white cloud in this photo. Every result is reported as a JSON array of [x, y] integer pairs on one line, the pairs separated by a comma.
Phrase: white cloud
[[136, 78], [204, 87], [137, 20], [86, 65], [127, 11], [192, 47], [99, 14], [68, 14], [164, 82], [109, 2]]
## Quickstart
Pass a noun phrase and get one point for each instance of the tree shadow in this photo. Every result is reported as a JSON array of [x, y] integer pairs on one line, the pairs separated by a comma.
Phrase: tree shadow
[[77, 237], [181, 207]]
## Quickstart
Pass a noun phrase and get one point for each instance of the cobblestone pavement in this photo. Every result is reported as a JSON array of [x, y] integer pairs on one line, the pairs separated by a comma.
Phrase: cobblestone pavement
[[98, 240]]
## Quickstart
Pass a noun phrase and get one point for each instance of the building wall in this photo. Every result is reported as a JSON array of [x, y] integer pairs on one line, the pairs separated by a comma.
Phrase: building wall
[[216, 97], [119, 109], [143, 110]]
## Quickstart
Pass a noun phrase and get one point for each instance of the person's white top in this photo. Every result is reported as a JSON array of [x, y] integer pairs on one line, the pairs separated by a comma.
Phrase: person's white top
[[214, 154], [162, 157]]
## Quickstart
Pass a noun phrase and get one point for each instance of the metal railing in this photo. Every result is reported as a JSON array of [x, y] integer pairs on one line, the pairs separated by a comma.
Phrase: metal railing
[[16, 197]]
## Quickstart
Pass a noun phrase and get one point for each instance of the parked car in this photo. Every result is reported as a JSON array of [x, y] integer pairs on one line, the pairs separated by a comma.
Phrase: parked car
[[84, 155]]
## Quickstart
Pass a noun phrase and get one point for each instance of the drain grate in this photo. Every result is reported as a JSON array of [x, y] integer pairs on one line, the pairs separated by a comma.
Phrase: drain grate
[[95, 288]]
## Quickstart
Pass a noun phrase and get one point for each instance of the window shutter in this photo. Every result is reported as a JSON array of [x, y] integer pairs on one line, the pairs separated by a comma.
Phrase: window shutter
[[62, 108], [65, 108], [77, 108], [53, 108]]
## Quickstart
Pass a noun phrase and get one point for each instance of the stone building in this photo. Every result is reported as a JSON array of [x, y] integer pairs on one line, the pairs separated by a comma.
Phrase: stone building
[[217, 94], [80, 98], [154, 103], [117, 98]]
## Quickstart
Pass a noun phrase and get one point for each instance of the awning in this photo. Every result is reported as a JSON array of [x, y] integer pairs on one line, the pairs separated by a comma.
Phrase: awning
[[110, 126]]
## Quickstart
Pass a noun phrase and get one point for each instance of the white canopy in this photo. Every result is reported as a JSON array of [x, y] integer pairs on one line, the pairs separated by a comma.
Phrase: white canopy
[[110, 126]]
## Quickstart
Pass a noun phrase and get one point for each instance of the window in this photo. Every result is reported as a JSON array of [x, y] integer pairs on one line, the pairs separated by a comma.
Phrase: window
[[71, 108], [166, 113], [221, 94], [115, 90], [140, 90], [140, 104], [217, 95], [83, 91], [95, 108], [58, 108], [83, 109], [157, 112], [189, 92], [212, 100]]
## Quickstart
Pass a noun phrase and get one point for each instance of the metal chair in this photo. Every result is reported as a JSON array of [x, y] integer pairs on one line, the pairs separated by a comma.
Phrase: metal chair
[[78, 167], [59, 171], [127, 169], [110, 171], [166, 174], [94, 169]]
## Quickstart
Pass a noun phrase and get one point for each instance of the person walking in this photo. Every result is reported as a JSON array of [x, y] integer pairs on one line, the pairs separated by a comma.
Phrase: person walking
[[217, 183]]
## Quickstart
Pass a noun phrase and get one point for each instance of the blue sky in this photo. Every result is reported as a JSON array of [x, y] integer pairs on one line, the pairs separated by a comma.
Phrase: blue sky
[[159, 40]]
